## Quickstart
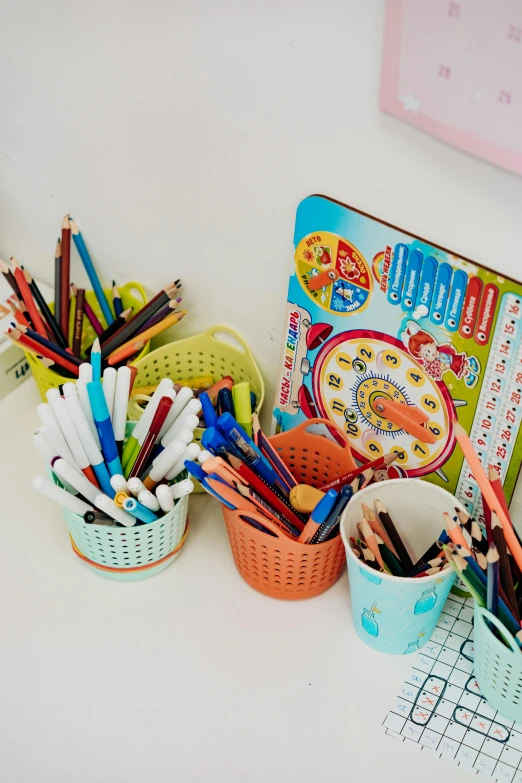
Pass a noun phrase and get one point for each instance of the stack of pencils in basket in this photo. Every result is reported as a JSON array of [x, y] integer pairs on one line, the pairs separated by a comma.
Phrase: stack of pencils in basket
[[106, 477], [55, 339], [491, 565]]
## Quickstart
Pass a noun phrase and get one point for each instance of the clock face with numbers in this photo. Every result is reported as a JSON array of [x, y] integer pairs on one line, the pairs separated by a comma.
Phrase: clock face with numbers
[[353, 370]]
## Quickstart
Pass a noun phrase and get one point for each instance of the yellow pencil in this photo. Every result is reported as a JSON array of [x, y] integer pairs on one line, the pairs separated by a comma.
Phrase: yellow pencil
[[142, 337]]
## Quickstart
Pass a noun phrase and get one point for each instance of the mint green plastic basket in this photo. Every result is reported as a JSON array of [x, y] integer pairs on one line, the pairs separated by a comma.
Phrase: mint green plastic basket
[[129, 553], [498, 668]]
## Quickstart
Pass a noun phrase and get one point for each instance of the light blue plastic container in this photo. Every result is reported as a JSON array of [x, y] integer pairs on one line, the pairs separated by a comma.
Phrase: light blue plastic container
[[392, 614], [498, 668]]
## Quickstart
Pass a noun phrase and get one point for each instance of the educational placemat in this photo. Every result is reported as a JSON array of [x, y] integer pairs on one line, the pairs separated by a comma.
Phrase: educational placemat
[[440, 707], [375, 314], [454, 69]]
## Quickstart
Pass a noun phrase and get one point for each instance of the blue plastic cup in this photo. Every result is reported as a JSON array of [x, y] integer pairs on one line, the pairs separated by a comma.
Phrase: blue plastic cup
[[393, 614]]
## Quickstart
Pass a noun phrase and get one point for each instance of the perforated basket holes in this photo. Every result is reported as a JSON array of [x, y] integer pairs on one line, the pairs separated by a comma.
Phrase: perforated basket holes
[[309, 466], [123, 547]]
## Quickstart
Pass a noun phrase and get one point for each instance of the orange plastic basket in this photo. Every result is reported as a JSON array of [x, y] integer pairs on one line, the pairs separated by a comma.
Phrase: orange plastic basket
[[277, 565]]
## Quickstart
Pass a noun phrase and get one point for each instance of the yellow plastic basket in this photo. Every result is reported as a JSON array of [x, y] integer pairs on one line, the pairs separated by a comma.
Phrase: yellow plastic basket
[[217, 352], [132, 295]]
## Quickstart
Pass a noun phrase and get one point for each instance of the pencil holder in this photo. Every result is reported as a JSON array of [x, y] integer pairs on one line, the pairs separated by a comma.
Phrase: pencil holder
[[217, 352], [129, 553], [498, 668], [392, 614], [132, 295], [277, 565]]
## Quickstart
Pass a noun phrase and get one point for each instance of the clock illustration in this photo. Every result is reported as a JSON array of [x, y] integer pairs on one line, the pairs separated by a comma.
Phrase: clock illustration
[[381, 397], [333, 273]]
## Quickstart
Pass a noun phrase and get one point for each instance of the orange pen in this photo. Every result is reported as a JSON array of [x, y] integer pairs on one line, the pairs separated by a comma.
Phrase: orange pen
[[222, 469]]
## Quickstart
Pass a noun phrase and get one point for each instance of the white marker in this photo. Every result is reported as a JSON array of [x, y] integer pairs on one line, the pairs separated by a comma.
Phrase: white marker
[[118, 483], [165, 461], [110, 508], [147, 499], [204, 455], [191, 453], [48, 419], [65, 499], [63, 417], [143, 425], [121, 402], [135, 485], [81, 387], [186, 421], [180, 489], [76, 479], [86, 437], [165, 499], [110, 375]]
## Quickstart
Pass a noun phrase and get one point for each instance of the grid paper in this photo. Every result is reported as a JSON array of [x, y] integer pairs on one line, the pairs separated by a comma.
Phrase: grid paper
[[440, 707]]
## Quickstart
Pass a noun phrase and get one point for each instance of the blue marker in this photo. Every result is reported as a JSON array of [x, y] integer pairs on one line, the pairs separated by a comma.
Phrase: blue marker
[[195, 469], [209, 414], [225, 402], [243, 443], [441, 295], [139, 511], [411, 280], [91, 271], [102, 420], [318, 516], [456, 300], [332, 521], [397, 272], [426, 285]]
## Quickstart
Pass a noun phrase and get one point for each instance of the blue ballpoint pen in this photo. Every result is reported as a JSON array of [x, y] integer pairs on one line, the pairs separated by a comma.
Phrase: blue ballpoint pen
[[332, 520], [213, 441], [102, 420], [248, 451], [209, 414]]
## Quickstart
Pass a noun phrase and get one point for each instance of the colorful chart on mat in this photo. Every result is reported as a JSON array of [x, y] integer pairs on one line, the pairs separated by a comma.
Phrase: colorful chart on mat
[[379, 320], [440, 707]]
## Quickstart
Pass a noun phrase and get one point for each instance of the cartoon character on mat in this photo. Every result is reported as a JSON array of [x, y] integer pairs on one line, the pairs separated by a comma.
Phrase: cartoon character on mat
[[438, 359]]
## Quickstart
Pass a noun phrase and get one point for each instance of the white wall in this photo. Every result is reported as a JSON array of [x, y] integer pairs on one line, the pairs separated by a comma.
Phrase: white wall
[[182, 135]]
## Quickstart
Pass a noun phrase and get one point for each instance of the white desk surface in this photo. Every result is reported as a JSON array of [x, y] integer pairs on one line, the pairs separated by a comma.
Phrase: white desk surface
[[187, 676]]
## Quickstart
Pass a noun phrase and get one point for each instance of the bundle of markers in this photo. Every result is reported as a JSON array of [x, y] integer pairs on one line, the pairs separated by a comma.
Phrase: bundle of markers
[[107, 479], [46, 334], [490, 565]]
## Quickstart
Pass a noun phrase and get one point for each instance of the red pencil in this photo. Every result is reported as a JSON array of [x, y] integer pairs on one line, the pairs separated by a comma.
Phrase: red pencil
[[18, 314], [43, 350], [28, 300], [65, 276], [377, 464]]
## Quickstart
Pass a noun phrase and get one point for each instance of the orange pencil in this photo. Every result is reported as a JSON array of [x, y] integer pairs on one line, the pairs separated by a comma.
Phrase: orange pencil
[[18, 314], [498, 489], [487, 490], [27, 296], [127, 350], [378, 527], [142, 337], [455, 532]]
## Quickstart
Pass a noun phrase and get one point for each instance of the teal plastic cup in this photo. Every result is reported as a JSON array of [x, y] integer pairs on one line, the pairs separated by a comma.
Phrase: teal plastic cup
[[498, 665], [397, 615]]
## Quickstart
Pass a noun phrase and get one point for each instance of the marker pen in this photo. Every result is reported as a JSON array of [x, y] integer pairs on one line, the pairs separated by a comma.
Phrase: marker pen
[[318, 516], [104, 426], [164, 462], [180, 489], [332, 521], [243, 443], [191, 453], [63, 417], [110, 508], [147, 499], [110, 375], [209, 414], [55, 435], [165, 499], [121, 402], [65, 499], [132, 506], [135, 486], [118, 483], [143, 424]]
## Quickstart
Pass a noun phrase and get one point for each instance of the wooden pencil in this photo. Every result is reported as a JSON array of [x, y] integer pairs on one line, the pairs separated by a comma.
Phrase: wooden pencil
[[391, 562], [116, 300], [43, 350], [395, 538], [464, 519], [498, 489], [116, 325], [65, 353], [20, 316], [10, 278], [65, 275], [58, 287], [123, 350], [477, 539], [78, 321], [27, 298], [378, 464], [492, 558], [93, 318], [506, 578], [46, 313], [455, 532], [371, 542], [126, 351], [487, 490]]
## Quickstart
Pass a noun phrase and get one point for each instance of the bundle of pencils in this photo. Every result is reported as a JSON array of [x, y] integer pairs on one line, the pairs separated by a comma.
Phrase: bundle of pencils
[[82, 438], [491, 565], [46, 334]]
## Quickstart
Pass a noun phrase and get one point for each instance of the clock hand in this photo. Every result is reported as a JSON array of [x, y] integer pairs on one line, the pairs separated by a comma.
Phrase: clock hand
[[408, 417], [325, 278]]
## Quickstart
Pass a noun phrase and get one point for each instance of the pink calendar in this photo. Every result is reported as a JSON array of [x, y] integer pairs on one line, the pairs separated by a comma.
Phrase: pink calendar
[[453, 68]]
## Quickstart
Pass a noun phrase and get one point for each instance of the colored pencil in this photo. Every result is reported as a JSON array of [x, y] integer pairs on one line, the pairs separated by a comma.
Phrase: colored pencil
[[395, 538], [18, 313], [116, 300], [10, 278], [46, 313], [58, 287], [161, 314], [477, 539], [65, 275], [96, 360], [492, 580], [455, 532], [347, 478], [43, 350], [498, 489], [130, 329], [464, 519], [93, 319], [434, 550], [436, 562], [91, 272], [64, 353], [371, 541], [368, 556], [390, 561], [487, 490], [27, 297], [506, 578], [78, 320], [117, 324], [127, 349]]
